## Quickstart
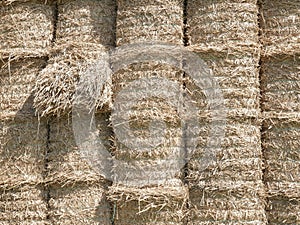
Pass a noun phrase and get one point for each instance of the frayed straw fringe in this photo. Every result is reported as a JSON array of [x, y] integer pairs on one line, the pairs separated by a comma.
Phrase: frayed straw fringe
[[281, 24], [24, 205], [26, 28], [22, 151], [17, 78], [157, 20], [65, 163], [79, 203], [220, 25], [56, 84], [86, 21], [148, 206]]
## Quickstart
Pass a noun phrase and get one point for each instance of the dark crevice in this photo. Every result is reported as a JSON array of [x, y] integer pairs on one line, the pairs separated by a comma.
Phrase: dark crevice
[[55, 19], [263, 129], [185, 168], [46, 153]]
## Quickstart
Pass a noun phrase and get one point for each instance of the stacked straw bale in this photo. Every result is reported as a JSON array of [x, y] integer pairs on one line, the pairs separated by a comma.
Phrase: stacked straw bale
[[76, 190], [17, 78], [26, 27], [281, 24], [85, 30], [147, 186], [225, 35], [280, 103], [79, 204], [155, 20], [23, 205]]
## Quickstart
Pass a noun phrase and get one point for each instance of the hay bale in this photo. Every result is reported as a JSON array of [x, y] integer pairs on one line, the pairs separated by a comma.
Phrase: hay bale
[[232, 189], [85, 22], [22, 151], [221, 25], [65, 164], [281, 84], [23, 205], [236, 73], [281, 151], [156, 20], [26, 28], [80, 203], [281, 24], [17, 78], [148, 206], [56, 84], [284, 210]]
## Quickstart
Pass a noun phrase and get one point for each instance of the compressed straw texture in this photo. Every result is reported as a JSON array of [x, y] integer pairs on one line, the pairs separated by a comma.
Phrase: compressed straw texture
[[26, 28], [86, 22], [55, 85], [148, 206], [79, 204], [284, 211], [17, 78], [64, 158], [281, 24], [22, 151], [219, 25], [281, 150], [23, 205], [281, 84], [155, 20]]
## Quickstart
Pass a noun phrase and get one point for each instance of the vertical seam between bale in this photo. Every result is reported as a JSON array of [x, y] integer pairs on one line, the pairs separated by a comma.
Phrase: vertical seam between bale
[[262, 129], [46, 188], [55, 19]]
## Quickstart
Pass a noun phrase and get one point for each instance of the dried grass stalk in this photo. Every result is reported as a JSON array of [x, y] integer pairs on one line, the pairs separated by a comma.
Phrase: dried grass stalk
[[281, 146], [281, 24], [26, 28], [17, 78], [148, 206], [56, 84], [79, 203], [281, 84], [22, 151], [155, 20], [83, 22], [65, 162], [284, 211], [221, 25], [23, 205]]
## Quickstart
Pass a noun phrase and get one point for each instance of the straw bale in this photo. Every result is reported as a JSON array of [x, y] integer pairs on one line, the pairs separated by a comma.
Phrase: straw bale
[[23, 206], [56, 84], [236, 73], [221, 25], [22, 151], [281, 83], [83, 22], [281, 25], [284, 211], [231, 190], [26, 28], [80, 203], [144, 167], [65, 162], [155, 20], [17, 78], [281, 151], [158, 205]]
